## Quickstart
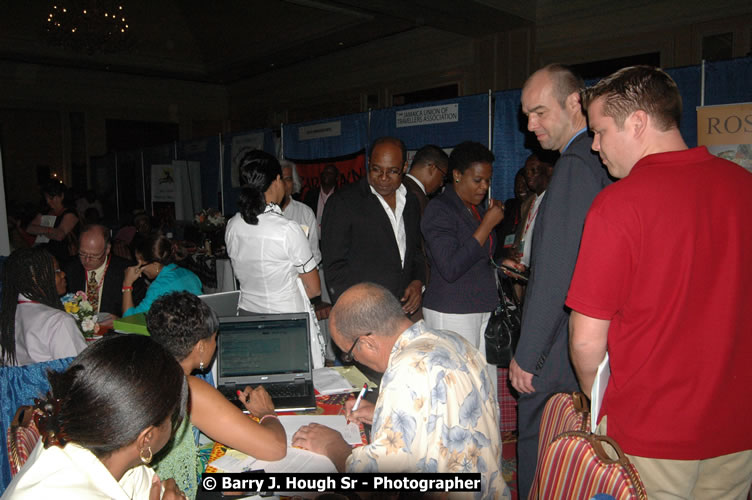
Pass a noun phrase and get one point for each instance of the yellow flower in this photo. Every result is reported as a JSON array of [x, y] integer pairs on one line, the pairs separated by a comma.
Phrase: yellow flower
[[394, 442], [71, 307]]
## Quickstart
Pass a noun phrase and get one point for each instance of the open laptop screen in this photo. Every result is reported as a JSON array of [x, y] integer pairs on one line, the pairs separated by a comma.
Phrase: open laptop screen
[[262, 345]]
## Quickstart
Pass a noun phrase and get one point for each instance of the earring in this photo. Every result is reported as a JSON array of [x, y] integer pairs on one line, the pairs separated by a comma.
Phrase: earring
[[201, 356], [201, 364], [145, 460], [456, 181]]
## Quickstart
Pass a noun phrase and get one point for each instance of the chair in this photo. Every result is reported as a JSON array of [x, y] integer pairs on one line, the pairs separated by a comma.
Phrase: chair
[[19, 385]]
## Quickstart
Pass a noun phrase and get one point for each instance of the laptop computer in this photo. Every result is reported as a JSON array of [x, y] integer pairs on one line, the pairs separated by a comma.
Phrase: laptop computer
[[223, 303], [270, 350]]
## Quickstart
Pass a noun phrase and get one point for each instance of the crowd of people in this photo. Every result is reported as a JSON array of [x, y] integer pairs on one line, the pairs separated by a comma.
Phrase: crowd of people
[[614, 219]]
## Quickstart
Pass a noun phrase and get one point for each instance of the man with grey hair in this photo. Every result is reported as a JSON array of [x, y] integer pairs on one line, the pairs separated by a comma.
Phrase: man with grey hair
[[297, 211], [98, 273], [436, 410], [541, 366]]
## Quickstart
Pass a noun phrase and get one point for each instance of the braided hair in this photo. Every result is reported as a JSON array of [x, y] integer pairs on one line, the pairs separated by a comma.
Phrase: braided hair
[[31, 273], [258, 169]]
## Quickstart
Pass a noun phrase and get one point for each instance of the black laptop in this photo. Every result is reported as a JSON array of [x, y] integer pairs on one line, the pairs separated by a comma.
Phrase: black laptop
[[270, 350]]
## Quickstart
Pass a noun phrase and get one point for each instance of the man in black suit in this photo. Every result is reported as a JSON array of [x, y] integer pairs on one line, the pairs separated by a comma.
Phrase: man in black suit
[[541, 365], [427, 173], [371, 231], [96, 272], [316, 198]]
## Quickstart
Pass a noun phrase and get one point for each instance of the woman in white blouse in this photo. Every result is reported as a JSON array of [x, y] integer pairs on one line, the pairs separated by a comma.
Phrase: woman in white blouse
[[270, 254]]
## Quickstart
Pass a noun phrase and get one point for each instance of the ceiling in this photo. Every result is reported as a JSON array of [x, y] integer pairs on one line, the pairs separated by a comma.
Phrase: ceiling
[[224, 42]]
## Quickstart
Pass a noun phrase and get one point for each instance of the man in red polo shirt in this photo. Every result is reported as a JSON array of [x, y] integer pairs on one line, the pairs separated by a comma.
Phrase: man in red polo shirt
[[664, 282]]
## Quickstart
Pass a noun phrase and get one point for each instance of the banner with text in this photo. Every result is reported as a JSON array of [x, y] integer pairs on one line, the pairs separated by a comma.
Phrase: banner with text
[[726, 130]]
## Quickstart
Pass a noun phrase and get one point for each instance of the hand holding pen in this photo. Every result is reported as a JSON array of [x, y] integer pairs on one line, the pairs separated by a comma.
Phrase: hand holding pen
[[359, 410]]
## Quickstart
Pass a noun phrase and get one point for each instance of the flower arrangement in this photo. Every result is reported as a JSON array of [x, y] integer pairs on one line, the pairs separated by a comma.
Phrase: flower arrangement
[[209, 220], [77, 305]]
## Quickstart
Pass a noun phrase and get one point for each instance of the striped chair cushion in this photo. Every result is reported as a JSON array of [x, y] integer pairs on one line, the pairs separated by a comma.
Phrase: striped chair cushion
[[22, 437], [576, 466]]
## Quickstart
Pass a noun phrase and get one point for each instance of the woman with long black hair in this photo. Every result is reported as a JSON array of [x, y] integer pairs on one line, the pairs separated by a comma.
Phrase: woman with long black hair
[[106, 416], [34, 327], [270, 254]]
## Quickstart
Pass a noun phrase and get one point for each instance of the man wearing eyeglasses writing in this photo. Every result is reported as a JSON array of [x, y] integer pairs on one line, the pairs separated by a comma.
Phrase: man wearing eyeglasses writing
[[96, 272]]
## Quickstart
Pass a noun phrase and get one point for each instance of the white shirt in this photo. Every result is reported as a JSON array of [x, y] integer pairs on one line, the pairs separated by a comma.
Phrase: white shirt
[[75, 473], [267, 258], [527, 232], [44, 333], [420, 184], [303, 215], [395, 218]]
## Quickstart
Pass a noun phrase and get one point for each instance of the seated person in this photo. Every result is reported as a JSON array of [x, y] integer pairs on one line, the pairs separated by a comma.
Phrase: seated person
[[33, 324], [187, 328], [102, 422], [436, 410], [97, 272], [156, 261]]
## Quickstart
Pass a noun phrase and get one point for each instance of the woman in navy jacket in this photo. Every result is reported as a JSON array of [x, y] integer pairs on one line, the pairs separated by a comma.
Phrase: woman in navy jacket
[[458, 230]]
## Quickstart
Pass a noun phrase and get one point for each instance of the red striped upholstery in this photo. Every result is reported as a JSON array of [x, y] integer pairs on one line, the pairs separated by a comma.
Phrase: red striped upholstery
[[22, 437], [575, 466]]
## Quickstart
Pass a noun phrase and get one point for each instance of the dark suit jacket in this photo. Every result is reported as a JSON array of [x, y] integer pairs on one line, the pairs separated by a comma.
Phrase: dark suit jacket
[[415, 189], [543, 348], [358, 244], [312, 199], [462, 280], [112, 294]]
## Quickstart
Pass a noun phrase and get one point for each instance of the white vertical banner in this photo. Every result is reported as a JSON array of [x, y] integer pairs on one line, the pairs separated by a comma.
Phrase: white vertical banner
[[4, 240], [240, 145]]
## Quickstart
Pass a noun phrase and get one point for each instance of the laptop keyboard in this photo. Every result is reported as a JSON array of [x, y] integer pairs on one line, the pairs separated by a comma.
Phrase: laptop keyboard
[[286, 390]]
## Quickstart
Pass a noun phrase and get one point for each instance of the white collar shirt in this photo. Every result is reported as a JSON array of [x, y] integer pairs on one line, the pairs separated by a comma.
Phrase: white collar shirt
[[395, 218]]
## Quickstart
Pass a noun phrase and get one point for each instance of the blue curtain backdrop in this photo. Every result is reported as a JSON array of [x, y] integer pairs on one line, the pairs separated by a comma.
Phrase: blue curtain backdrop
[[353, 138], [232, 193], [471, 125], [509, 142], [206, 152]]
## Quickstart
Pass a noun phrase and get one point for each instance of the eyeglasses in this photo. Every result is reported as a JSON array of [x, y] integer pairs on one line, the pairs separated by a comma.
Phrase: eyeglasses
[[444, 174], [88, 256], [385, 172], [348, 356]]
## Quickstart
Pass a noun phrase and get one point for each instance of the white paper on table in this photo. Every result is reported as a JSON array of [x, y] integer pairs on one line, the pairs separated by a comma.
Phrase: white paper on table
[[296, 460], [350, 432], [598, 390], [328, 381]]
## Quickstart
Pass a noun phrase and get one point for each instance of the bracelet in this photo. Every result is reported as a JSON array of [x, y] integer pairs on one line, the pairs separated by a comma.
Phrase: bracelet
[[127, 289], [270, 415]]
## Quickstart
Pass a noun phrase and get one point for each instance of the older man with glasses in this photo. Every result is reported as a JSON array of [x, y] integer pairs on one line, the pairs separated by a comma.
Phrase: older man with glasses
[[98, 273], [436, 410]]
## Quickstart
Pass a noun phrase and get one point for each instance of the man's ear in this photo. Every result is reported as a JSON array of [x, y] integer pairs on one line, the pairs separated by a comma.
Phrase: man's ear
[[638, 122], [404, 168], [573, 102]]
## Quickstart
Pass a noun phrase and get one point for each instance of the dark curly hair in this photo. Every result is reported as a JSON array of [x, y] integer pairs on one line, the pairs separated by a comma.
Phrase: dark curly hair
[[31, 273], [466, 153], [113, 390], [179, 320], [258, 169]]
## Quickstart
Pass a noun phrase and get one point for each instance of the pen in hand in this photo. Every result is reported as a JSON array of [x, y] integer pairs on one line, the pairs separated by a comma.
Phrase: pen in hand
[[360, 398]]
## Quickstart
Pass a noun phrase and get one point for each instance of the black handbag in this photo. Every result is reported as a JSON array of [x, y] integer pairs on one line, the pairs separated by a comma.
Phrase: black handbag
[[503, 329]]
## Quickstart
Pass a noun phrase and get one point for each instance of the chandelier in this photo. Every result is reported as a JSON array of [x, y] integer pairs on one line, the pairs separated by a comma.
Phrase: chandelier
[[88, 26]]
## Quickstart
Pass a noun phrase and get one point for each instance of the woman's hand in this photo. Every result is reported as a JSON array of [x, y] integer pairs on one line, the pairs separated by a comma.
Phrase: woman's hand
[[131, 275], [364, 413], [257, 401], [171, 490], [495, 213]]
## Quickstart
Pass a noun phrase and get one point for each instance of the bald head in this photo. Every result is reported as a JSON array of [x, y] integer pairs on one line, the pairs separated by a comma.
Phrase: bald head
[[94, 246], [368, 308]]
